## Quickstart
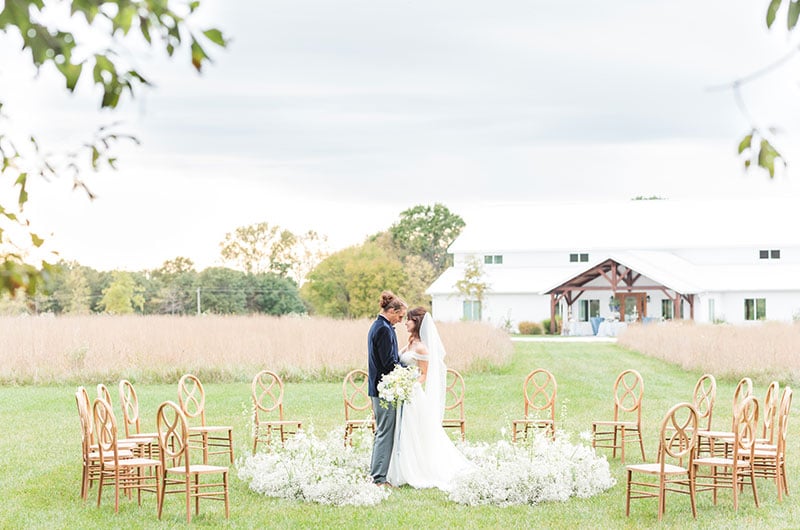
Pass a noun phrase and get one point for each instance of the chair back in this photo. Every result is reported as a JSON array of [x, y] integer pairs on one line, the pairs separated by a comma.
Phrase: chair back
[[540, 391], [355, 389], [454, 395], [86, 422], [628, 393], [678, 434], [173, 435], [771, 401], [745, 429], [783, 419], [267, 393], [104, 394], [192, 398], [105, 431], [705, 394], [744, 389], [129, 402]]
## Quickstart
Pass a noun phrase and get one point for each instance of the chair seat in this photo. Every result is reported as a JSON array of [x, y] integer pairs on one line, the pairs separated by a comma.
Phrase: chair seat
[[720, 461], [280, 422], [715, 434], [616, 423], [655, 469], [210, 428], [531, 420], [198, 468], [134, 462], [123, 453]]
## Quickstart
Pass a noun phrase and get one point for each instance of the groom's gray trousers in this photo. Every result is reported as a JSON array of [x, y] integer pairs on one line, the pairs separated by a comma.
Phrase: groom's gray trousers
[[384, 440]]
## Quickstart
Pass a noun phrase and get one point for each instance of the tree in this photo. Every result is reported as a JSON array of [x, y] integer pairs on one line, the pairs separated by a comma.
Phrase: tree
[[260, 248], [472, 286], [222, 291], [100, 46], [427, 231], [122, 295], [273, 295], [348, 283], [74, 298], [175, 287]]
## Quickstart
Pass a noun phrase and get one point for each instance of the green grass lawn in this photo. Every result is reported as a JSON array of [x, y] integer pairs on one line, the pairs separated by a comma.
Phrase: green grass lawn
[[40, 467]]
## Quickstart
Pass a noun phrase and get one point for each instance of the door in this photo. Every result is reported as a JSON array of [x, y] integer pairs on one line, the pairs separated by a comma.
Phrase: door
[[633, 306]]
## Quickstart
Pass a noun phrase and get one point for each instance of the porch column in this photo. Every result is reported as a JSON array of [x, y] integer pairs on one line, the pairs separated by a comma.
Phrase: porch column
[[552, 313]]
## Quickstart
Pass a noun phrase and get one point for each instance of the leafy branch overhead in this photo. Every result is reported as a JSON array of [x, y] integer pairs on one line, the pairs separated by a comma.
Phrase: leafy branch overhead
[[764, 155]]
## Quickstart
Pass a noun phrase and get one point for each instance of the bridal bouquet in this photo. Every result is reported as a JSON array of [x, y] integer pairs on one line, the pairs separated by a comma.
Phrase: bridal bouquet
[[395, 387]]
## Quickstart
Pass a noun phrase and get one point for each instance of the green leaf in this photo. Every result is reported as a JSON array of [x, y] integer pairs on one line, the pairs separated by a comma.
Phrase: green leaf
[[198, 55], [794, 13], [745, 143], [23, 194], [215, 36], [144, 27], [36, 240], [71, 72], [772, 10], [767, 156]]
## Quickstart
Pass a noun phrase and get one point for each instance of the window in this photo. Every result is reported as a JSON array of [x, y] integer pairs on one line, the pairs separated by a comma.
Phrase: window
[[712, 317], [584, 257], [588, 309], [472, 310], [667, 309], [576, 257], [775, 253], [763, 254], [755, 308], [573, 258], [495, 259]]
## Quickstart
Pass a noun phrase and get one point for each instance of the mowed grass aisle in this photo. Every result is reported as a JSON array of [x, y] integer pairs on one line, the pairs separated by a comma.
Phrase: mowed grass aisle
[[40, 447]]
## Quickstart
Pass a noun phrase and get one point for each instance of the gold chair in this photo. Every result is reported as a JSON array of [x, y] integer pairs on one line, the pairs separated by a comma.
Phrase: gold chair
[[126, 474], [614, 434], [454, 403], [738, 469], [539, 390], [356, 403], [184, 478], [708, 438], [678, 436], [213, 439], [267, 393], [129, 402], [770, 412], [703, 399], [90, 457], [769, 460]]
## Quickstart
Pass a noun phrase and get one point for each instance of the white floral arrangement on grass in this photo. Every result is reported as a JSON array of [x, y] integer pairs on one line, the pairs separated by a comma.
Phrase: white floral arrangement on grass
[[537, 471], [310, 469], [326, 471], [395, 387]]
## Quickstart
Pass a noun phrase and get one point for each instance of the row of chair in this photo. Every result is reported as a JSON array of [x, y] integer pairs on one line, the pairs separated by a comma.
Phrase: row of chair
[[158, 462]]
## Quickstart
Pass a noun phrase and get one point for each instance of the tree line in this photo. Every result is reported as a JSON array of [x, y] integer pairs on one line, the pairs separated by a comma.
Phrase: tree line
[[269, 270]]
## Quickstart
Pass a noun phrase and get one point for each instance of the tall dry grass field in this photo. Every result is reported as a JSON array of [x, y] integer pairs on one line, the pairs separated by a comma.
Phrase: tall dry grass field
[[765, 351], [160, 348]]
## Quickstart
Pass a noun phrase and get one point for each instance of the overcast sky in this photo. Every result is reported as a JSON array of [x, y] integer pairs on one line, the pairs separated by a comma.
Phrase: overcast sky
[[337, 115]]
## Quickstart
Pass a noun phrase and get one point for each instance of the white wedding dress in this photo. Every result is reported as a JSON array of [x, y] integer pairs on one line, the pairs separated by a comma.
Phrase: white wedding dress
[[424, 455]]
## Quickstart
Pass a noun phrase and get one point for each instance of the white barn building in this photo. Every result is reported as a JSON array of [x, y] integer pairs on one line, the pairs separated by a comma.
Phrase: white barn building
[[710, 261]]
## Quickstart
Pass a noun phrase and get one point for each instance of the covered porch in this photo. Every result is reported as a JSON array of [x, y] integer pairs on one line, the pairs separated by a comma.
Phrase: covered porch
[[615, 293]]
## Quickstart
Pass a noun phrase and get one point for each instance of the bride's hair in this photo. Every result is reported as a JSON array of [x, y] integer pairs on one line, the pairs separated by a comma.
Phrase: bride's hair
[[416, 315]]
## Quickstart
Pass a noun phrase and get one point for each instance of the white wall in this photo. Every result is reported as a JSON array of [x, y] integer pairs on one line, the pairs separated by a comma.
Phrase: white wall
[[780, 305]]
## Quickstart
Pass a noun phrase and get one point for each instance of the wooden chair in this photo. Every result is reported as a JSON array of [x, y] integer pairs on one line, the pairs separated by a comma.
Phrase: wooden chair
[[184, 478], [703, 399], [614, 434], [126, 474], [267, 393], [129, 402], [540, 390], [711, 439], [90, 457], [769, 460], [213, 439], [454, 403], [771, 401], [356, 403], [738, 468], [678, 436]]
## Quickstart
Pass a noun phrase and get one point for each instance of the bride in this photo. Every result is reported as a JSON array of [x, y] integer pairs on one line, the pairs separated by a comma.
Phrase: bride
[[424, 456]]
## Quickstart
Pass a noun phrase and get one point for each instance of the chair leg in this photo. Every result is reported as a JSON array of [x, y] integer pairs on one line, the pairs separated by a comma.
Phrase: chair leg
[[628, 496], [622, 437]]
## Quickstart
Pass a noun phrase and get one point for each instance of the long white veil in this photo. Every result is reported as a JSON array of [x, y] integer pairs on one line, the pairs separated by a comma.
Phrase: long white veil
[[436, 381]]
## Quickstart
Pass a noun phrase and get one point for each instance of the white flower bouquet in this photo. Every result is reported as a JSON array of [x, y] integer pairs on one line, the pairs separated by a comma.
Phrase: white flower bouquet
[[395, 387]]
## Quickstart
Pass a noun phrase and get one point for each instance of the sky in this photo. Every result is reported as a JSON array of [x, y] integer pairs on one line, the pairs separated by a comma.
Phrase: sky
[[337, 116]]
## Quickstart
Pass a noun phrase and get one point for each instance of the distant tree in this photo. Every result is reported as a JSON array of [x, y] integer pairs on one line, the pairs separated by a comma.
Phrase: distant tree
[[472, 286], [309, 250], [75, 297], [260, 248], [99, 45], [175, 287], [348, 283], [427, 231], [419, 276], [222, 291], [122, 296], [269, 293]]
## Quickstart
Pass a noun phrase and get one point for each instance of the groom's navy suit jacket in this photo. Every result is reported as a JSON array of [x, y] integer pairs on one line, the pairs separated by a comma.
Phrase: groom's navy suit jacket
[[383, 352]]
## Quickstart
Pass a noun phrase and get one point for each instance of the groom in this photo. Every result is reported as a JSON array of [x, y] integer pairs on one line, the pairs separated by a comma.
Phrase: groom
[[383, 355]]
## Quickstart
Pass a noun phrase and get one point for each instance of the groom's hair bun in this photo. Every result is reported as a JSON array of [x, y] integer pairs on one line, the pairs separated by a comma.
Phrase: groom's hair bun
[[390, 301]]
